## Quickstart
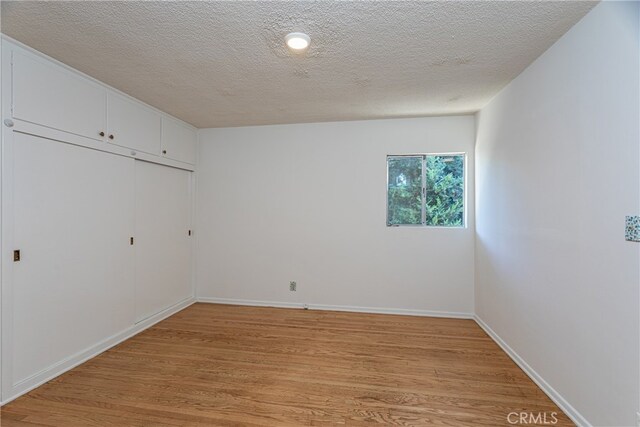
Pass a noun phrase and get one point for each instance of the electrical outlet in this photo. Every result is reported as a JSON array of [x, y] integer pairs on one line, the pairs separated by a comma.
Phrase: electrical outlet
[[293, 286]]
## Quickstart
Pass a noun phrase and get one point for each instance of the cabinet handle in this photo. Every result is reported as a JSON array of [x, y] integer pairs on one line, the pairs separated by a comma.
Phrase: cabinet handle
[[101, 134], [110, 136], [164, 151]]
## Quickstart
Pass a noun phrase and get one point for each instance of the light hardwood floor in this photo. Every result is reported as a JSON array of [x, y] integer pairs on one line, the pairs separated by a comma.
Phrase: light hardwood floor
[[229, 365]]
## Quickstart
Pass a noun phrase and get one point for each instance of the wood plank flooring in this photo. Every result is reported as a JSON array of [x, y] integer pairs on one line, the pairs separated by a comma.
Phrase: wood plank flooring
[[218, 365]]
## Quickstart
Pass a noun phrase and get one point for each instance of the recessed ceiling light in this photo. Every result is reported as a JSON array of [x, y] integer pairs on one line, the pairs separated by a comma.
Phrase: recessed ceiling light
[[297, 41]]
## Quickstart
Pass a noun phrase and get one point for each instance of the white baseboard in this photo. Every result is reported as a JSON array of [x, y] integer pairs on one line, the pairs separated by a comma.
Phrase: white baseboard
[[325, 307], [566, 407], [71, 362]]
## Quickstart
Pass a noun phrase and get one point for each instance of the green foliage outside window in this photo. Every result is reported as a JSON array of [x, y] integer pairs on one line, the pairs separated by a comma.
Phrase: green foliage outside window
[[445, 191], [405, 190], [442, 201]]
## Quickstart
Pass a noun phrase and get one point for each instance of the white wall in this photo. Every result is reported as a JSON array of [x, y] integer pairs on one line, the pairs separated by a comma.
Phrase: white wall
[[557, 170], [308, 203]]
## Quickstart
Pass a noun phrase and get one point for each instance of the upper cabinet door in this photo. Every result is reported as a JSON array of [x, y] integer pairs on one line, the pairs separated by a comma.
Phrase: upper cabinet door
[[178, 141], [132, 125], [50, 95]]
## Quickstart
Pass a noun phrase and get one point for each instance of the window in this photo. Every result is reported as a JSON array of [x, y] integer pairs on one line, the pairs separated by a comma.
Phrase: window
[[426, 190]]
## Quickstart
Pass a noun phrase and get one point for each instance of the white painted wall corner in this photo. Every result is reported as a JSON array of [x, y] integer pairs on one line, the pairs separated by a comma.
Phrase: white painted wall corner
[[557, 398]]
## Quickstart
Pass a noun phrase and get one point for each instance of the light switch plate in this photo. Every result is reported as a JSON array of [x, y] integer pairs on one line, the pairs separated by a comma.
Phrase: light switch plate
[[632, 228]]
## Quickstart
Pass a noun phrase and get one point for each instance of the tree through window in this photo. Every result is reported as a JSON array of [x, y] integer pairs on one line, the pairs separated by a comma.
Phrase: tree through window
[[426, 190]]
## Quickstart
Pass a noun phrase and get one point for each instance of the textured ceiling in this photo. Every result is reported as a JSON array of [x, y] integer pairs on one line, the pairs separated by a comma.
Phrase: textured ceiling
[[218, 64]]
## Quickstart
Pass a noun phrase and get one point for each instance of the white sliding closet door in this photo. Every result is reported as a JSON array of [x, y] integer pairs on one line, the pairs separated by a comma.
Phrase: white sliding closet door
[[162, 242], [73, 217]]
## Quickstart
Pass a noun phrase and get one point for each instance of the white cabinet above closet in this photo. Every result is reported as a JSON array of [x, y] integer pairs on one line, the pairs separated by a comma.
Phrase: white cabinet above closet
[[52, 100], [47, 94], [132, 125], [178, 141]]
